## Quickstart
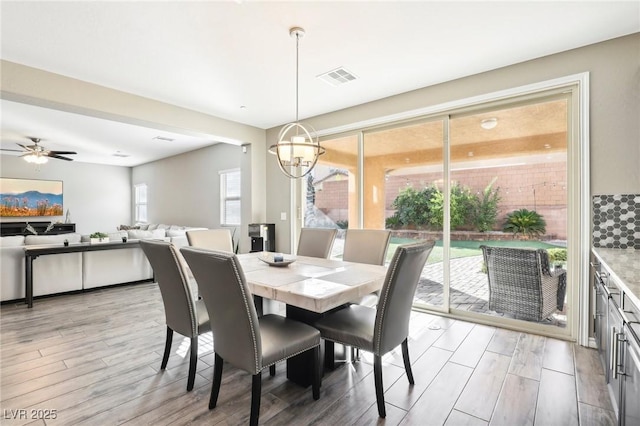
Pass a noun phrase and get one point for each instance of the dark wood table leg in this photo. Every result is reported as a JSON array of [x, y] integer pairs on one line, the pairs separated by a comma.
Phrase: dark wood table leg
[[258, 303], [28, 281], [299, 367]]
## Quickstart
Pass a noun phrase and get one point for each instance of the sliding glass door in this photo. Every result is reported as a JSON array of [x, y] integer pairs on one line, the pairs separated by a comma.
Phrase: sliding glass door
[[403, 169], [508, 188], [468, 178]]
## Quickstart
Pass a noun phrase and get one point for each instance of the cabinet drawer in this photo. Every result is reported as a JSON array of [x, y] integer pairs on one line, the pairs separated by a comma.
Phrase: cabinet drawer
[[632, 311]]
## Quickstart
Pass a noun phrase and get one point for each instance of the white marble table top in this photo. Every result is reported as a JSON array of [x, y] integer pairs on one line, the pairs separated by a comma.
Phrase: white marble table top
[[311, 283]]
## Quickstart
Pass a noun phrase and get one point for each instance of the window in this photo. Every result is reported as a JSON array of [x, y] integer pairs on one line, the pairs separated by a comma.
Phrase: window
[[140, 194], [230, 197]]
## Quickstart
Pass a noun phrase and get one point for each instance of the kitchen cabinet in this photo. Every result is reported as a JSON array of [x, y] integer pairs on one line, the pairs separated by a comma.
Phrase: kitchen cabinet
[[630, 407], [601, 294], [617, 328]]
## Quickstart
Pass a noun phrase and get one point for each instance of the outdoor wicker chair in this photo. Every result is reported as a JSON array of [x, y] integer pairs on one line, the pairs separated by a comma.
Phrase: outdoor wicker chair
[[521, 283]]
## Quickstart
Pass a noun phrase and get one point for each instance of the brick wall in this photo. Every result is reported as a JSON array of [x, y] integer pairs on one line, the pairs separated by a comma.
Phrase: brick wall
[[540, 187]]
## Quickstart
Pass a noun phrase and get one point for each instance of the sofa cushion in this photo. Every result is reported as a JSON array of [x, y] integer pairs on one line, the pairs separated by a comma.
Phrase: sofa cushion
[[51, 239], [139, 234], [12, 241], [127, 227], [176, 232], [108, 267], [117, 236]]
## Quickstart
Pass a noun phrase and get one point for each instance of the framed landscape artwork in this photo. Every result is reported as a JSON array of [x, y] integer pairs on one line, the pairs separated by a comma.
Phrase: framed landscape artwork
[[30, 197]]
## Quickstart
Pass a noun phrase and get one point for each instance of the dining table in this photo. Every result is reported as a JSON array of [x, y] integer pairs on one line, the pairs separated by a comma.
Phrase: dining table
[[309, 287]]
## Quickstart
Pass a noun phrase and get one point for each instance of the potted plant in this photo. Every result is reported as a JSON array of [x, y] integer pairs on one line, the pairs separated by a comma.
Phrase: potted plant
[[99, 237]]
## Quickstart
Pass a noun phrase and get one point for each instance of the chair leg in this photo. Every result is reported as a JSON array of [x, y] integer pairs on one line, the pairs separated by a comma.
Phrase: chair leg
[[407, 363], [377, 374], [272, 370], [317, 377], [256, 389], [167, 348], [192, 363], [217, 379]]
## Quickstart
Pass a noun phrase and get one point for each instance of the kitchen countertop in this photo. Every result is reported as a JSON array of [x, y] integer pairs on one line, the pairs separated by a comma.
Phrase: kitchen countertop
[[624, 266]]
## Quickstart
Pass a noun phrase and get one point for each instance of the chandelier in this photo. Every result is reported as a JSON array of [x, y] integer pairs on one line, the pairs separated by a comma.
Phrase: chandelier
[[298, 147]]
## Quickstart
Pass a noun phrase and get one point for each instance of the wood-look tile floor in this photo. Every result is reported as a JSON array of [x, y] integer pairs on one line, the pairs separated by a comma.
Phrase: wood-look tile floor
[[94, 359]]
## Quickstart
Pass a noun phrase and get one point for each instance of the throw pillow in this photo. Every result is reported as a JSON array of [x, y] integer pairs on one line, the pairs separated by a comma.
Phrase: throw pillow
[[12, 241]]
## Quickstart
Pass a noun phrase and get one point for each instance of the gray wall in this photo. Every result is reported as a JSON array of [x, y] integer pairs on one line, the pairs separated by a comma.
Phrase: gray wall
[[97, 196], [614, 68], [185, 189]]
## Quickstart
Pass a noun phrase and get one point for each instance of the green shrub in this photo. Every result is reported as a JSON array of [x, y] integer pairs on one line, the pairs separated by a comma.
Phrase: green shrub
[[342, 224], [425, 208], [392, 222], [413, 206], [485, 208], [557, 255], [461, 206], [526, 222]]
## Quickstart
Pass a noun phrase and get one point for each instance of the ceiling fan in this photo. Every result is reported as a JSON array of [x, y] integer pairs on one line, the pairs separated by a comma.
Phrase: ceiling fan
[[38, 154]]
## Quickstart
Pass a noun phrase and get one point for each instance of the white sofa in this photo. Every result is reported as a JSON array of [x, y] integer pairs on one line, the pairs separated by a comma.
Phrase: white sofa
[[61, 273], [53, 273], [109, 267]]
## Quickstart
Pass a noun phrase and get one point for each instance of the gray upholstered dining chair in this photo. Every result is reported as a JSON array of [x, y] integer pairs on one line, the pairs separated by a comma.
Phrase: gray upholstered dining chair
[[381, 329], [366, 245], [240, 337], [212, 239], [183, 313], [316, 242], [521, 282]]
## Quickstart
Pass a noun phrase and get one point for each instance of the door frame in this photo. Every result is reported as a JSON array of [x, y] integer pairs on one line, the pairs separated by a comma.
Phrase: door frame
[[578, 185]]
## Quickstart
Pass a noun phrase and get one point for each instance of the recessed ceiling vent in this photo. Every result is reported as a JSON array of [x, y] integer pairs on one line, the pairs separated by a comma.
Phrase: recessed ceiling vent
[[337, 77], [120, 154], [163, 138]]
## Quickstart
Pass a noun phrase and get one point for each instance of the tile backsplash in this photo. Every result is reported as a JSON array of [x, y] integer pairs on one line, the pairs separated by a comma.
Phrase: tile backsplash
[[616, 221]]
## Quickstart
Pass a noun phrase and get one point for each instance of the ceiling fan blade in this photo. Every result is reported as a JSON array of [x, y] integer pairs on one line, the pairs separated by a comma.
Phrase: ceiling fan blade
[[59, 157], [27, 148], [13, 150], [62, 152]]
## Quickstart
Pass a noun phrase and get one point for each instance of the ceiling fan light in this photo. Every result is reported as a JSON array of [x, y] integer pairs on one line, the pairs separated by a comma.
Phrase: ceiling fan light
[[35, 158]]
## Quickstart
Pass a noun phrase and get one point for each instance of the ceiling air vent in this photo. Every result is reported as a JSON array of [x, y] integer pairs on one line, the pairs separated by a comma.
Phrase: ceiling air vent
[[337, 77], [163, 138], [120, 154]]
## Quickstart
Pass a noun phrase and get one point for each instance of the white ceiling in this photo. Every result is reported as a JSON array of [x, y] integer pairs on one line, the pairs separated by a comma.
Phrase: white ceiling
[[235, 59]]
